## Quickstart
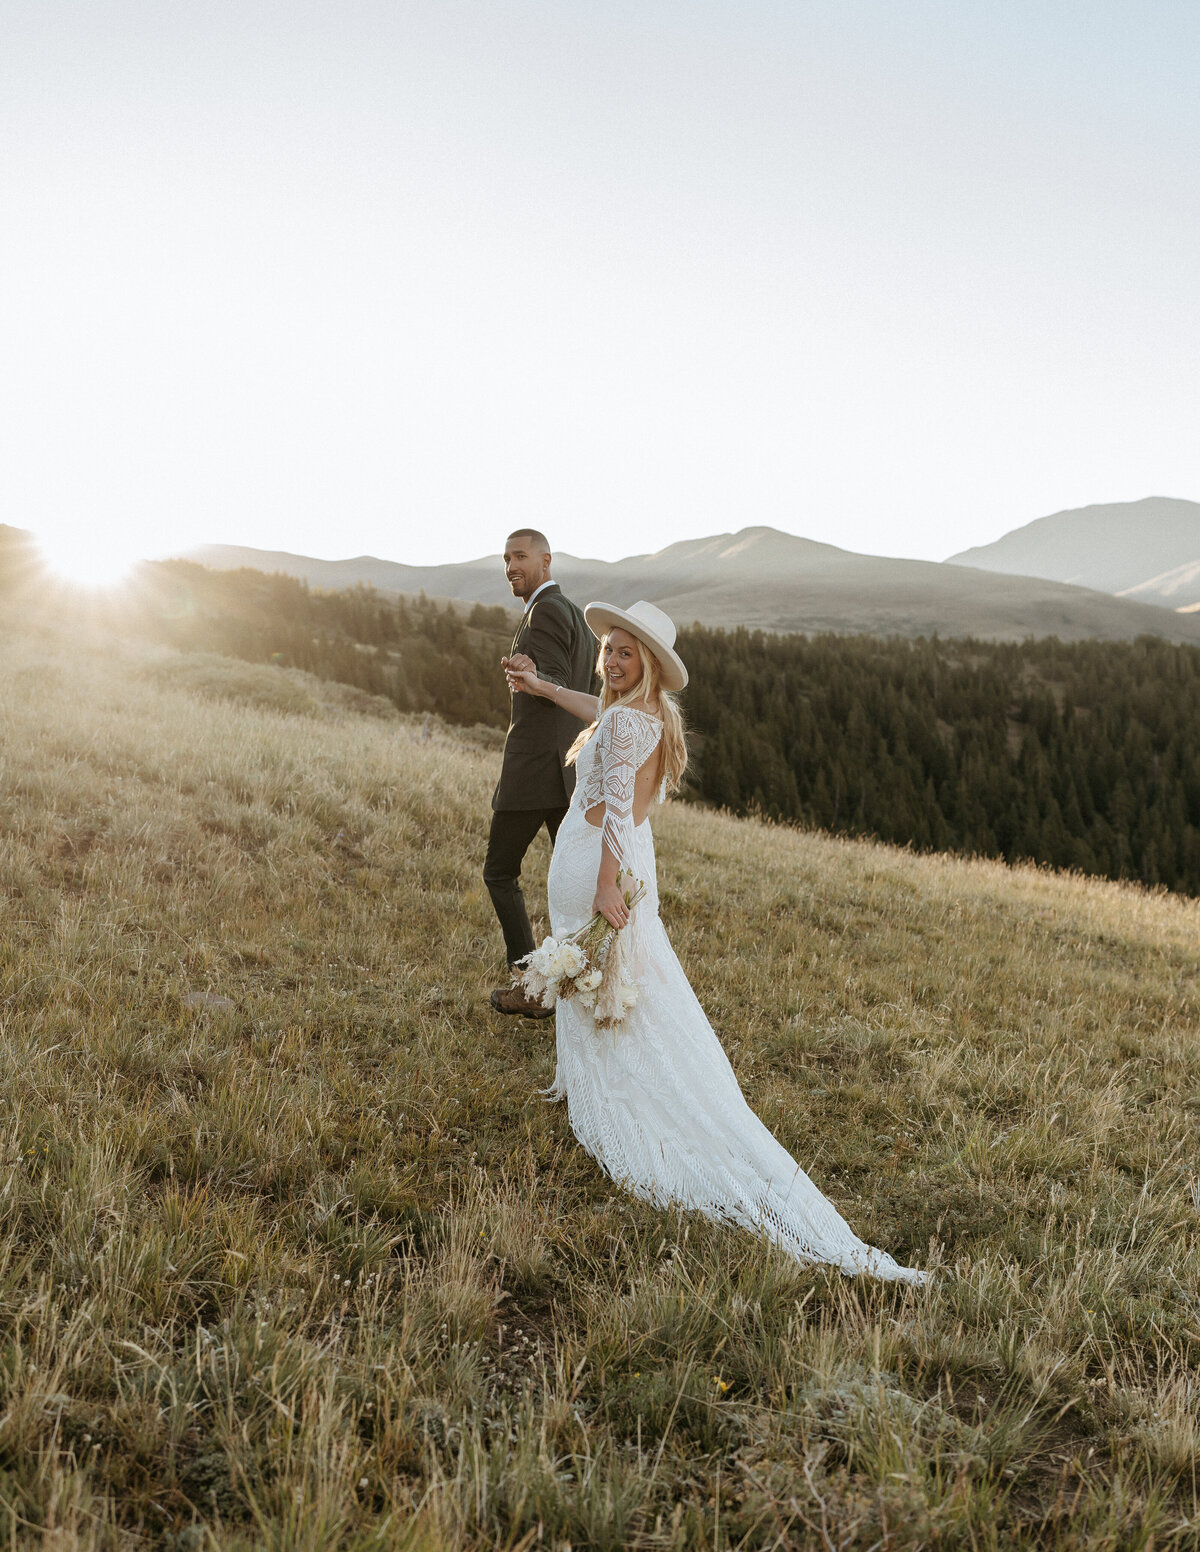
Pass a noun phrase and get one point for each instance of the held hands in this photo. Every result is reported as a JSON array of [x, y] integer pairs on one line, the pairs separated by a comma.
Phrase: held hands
[[521, 674]]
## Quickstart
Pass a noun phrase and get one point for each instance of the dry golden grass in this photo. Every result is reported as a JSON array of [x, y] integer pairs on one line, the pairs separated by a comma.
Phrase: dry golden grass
[[292, 1255]]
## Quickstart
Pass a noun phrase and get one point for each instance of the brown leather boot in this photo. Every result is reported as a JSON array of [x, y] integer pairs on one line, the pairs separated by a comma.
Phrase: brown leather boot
[[514, 999]]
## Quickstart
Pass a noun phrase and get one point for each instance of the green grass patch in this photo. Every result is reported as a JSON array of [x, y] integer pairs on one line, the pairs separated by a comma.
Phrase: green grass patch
[[292, 1253]]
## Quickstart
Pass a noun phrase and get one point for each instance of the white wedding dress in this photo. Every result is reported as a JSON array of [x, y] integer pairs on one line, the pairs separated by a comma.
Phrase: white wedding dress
[[655, 1101]]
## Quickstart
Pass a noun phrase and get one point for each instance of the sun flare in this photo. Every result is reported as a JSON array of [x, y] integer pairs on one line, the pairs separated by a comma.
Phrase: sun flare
[[87, 559]]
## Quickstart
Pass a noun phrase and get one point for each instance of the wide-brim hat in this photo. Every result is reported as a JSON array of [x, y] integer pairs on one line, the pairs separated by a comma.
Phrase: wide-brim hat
[[648, 624]]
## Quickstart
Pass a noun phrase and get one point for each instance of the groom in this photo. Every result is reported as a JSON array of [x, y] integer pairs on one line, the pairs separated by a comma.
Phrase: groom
[[535, 786]]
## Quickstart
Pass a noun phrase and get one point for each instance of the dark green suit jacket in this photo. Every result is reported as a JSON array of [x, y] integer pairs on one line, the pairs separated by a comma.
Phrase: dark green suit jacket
[[554, 633]]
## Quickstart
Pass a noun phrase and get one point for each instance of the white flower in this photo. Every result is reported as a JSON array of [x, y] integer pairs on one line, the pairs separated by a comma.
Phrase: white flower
[[543, 959], [573, 959], [590, 981]]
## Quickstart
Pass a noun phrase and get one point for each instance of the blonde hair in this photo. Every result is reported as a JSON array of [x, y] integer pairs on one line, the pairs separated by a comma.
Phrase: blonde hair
[[648, 688]]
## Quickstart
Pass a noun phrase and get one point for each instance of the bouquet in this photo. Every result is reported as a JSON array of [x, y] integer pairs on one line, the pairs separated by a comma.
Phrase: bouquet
[[588, 965]]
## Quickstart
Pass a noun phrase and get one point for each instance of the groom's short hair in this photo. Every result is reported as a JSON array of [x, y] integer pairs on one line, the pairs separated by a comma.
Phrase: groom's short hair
[[537, 539]]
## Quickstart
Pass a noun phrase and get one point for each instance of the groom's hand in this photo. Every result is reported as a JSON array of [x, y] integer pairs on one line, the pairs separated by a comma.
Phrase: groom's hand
[[518, 663]]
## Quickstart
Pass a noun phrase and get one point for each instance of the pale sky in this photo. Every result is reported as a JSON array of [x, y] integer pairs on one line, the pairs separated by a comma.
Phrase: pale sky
[[394, 277]]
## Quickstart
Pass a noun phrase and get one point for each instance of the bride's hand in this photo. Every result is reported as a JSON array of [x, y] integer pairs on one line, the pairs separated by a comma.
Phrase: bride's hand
[[524, 681], [610, 902]]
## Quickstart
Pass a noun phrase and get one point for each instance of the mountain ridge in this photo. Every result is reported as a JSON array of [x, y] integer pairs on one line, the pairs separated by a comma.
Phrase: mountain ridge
[[1148, 548], [762, 578]]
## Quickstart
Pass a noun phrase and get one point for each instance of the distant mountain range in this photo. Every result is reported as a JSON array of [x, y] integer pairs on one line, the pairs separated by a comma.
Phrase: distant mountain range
[[1146, 550], [762, 578]]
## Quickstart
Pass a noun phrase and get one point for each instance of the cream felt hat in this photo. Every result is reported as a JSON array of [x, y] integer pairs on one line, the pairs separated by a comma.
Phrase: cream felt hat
[[649, 625]]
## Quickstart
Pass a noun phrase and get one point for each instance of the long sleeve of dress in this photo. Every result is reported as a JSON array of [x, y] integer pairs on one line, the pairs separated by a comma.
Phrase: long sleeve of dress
[[627, 740]]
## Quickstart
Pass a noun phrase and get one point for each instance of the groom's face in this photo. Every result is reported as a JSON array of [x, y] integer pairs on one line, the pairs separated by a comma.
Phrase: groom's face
[[525, 565]]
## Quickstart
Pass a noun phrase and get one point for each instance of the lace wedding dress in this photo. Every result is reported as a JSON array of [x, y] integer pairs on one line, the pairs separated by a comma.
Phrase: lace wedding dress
[[655, 1100]]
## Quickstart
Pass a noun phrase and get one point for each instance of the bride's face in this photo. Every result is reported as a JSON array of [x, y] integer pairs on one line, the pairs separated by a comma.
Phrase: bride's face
[[620, 662]]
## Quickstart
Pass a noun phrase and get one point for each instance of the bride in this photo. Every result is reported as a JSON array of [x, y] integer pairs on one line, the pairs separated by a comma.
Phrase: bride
[[655, 1100]]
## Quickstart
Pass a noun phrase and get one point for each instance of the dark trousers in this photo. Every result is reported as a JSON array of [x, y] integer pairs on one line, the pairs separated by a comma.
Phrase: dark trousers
[[511, 835]]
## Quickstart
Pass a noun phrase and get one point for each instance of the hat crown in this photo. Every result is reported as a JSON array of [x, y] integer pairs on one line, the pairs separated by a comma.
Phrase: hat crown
[[653, 618]]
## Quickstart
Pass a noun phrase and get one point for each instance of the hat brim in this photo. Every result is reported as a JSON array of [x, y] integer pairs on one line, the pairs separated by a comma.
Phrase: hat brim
[[602, 617]]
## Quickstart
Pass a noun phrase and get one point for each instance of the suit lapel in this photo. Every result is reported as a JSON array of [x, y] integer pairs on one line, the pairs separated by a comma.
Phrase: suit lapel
[[525, 617]]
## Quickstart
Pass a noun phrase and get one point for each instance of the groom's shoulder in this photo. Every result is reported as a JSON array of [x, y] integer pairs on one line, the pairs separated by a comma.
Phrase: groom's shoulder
[[555, 601]]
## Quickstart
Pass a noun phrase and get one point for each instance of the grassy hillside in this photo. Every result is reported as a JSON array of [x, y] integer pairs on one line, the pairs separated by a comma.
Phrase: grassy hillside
[[295, 1256]]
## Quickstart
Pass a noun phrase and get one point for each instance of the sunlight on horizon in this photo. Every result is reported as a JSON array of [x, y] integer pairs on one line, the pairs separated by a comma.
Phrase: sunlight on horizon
[[88, 560]]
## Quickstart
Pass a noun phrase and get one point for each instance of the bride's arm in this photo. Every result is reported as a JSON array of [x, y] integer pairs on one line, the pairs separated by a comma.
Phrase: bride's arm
[[626, 742], [609, 900], [585, 707]]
